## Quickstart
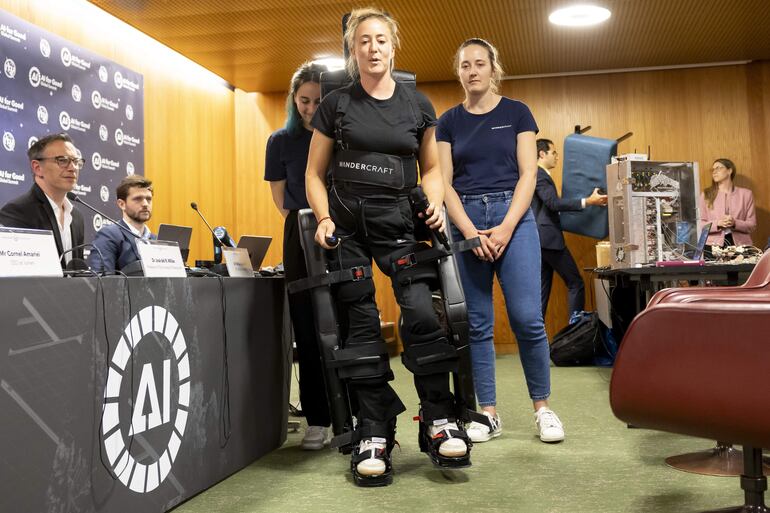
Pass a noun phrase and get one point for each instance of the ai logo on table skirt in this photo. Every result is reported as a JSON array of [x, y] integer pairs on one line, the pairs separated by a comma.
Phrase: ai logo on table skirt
[[147, 399]]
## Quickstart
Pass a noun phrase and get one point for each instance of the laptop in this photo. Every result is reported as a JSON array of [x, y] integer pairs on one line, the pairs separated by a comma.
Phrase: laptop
[[697, 256], [257, 247], [179, 234]]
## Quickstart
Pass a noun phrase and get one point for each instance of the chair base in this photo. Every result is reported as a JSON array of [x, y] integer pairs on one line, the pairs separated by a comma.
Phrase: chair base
[[753, 484], [723, 460]]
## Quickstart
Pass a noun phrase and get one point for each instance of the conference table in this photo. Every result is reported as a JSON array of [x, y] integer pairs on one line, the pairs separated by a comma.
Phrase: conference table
[[133, 394]]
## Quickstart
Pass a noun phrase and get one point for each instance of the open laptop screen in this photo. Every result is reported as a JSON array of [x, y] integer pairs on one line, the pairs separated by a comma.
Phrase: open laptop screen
[[257, 247], [178, 234], [704, 233]]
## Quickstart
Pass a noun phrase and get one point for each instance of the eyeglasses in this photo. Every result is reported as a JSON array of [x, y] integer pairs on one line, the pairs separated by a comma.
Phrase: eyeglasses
[[64, 162]]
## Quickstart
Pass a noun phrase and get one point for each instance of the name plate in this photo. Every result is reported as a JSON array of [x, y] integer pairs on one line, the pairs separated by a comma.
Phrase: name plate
[[238, 262], [161, 259], [28, 253]]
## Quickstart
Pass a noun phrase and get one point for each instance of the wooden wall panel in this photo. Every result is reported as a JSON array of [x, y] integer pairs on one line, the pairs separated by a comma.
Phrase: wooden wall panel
[[205, 142], [693, 114]]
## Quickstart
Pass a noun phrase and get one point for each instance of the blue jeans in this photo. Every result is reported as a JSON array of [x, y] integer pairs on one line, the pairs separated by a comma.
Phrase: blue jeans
[[518, 271]]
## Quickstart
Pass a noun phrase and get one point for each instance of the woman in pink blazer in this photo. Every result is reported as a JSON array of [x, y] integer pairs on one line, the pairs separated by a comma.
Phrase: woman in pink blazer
[[728, 208]]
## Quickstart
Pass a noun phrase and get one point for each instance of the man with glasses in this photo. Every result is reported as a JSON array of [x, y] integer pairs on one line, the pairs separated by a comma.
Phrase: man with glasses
[[554, 254], [55, 164]]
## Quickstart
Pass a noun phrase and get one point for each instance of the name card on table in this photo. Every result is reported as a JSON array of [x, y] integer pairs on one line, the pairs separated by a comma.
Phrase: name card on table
[[238, 262], [26, 252], [161, 259]]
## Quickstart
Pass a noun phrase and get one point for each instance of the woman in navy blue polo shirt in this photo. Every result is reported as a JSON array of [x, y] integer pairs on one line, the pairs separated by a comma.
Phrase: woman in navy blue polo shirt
[[285, 164], [489, 159]]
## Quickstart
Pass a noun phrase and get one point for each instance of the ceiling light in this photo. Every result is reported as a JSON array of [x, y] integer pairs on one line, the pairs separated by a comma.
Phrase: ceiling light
[[333, 63], [579, 16]]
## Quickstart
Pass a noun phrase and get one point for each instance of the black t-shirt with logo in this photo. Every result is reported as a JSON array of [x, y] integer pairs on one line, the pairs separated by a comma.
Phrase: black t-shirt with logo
[[383, 126]]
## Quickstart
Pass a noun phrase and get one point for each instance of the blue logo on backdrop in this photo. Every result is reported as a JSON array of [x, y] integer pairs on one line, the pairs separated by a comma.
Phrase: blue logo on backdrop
[[50, 85]]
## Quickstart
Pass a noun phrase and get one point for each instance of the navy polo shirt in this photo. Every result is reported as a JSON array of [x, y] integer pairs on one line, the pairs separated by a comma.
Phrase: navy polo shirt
[[484, 145], [286, 159]]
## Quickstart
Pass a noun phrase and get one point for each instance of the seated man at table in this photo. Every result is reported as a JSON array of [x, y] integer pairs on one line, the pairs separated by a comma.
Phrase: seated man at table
[[114, 247], [55, 164]]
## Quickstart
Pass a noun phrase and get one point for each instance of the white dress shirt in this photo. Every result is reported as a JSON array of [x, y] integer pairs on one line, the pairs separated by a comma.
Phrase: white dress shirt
[[64, 229]]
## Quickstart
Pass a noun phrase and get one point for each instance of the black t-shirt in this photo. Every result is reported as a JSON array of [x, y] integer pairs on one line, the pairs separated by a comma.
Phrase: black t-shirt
[[383, 126]]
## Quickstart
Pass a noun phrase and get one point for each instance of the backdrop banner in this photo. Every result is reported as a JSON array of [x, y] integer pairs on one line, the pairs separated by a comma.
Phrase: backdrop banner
[[49, 85]]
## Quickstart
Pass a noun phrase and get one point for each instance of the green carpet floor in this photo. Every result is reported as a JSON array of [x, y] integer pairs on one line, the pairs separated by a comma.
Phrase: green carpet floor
[[602, 466]]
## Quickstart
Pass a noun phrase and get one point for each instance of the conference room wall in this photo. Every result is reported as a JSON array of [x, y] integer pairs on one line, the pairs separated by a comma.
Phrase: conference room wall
[[205, 142], [189, 115]]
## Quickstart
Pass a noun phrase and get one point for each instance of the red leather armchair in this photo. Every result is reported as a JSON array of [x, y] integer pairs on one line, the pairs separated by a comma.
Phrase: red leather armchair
[[701, 369]]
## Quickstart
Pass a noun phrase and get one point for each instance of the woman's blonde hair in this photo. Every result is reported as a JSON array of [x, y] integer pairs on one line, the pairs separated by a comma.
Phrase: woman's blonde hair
[[357, 17], [494, 60]]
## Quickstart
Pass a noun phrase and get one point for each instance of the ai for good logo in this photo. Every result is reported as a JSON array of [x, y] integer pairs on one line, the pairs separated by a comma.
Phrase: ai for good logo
[[64, 120], [9, 141], [103, 133], [45, 48], [104, 193], [96, 161], [42, 114], [129, 168], [122, 82], [98, 222], [103, 74], [66, 56], [119, 137], [9, 68], [32, 140], [76, 93], [96, 99], [153, 340], [34, 76], [129, 112]]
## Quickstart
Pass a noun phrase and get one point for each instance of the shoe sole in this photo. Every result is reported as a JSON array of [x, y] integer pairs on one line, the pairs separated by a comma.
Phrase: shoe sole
[[486, 439], [551, 440], [312, 446]]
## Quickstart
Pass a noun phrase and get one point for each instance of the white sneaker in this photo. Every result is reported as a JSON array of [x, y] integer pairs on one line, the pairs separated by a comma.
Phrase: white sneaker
[[371, 466], [549, 425], [479, 432], [451, 447], [315, 438]]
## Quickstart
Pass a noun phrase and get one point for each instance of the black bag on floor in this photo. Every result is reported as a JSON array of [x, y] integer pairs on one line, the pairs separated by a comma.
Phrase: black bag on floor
[[578, 343]]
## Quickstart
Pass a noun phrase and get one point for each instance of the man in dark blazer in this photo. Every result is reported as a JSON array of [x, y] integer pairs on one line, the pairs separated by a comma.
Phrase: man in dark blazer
[[114, 246], [555, 256], [55, 164]]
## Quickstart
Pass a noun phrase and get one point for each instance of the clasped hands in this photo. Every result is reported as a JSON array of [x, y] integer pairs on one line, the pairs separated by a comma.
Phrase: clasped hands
[[493, 242], [726, 222]]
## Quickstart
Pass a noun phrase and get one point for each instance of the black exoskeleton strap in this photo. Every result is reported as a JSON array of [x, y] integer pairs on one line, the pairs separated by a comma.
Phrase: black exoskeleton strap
[[434, 253], [357, 273]]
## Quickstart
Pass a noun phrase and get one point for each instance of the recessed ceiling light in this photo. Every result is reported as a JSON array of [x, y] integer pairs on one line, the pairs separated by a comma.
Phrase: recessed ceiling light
[[333, 63], [579, 16]]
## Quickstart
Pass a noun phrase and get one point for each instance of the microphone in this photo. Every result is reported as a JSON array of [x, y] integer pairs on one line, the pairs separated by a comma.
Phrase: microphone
[[75, 198], [420, 204], [217, 241], [77, 265]]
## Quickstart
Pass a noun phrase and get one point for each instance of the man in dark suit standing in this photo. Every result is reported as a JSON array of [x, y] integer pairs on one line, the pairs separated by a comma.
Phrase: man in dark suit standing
[[55, 164], [555, 256], [114, 247]]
